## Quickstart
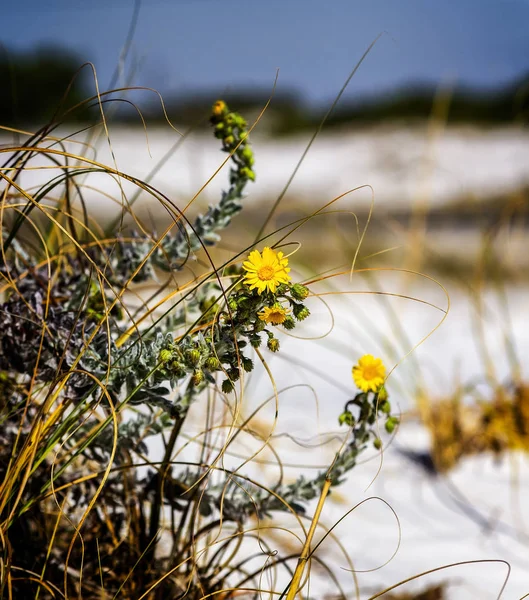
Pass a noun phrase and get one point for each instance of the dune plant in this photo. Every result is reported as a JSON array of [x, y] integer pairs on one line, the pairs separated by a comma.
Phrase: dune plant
[[107, 341]]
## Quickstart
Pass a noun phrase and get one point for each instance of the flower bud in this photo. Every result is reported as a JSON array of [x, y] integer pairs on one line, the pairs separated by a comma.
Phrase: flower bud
[[247, 173], [178, 369], [377, 443], [212, 363], [273, 344], [383, 395], [346, 418], [246, 155], [391, 423], [219, 108], [384, 407], [193, 357], [229, 140], [300, 311], [299, 291], [197, 378], [165, 355], [289, 323]]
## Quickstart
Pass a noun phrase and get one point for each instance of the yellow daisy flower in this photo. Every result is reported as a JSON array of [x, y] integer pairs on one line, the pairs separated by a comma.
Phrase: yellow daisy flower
[[265, 271], [275, 314], [369, 373]]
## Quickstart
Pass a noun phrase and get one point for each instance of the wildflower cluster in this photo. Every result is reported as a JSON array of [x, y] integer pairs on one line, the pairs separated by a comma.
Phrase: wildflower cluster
[[273, 299], [230, 127], [76, 357], [229, 325], [371, 403], [240, 323], [175, 248]]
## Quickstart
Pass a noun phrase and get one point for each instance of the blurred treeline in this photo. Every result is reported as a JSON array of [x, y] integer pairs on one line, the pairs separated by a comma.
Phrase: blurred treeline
[[42, 83], [46, 84]]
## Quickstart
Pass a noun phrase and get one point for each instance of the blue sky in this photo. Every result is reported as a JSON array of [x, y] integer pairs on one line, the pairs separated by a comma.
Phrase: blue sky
[[186, 45]]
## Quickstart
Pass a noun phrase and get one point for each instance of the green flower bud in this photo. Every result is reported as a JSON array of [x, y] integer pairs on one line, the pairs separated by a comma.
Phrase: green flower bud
[[273, 344], [383, 395], [300, 311], [178, 369], [212, 363], [289, 323], [193, 357], [232, 303], [246, 155], [165, 355], [229, 140], [384, 407], [247, 173], [377, 443], [391, 423], [346, 418], [197, 378], [227, 386], [299, 291]]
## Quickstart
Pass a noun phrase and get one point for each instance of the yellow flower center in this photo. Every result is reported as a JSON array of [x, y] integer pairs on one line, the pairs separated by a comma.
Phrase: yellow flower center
[[265, 273], [277, 316], [370, 373]]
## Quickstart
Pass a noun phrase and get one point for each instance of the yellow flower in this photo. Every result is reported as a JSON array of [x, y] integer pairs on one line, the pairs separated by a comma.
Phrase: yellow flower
[[369, 373], [218, 108], [275, 315], [265, 271]]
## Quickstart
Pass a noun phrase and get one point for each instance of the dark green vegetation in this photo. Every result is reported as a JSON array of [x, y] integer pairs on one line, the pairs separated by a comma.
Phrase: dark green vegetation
[[46, 73], [288, 113], [40, 85]]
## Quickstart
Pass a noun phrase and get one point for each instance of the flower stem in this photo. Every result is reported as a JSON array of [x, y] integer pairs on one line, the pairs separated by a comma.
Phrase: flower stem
[[298, 573]]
